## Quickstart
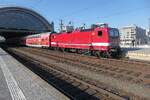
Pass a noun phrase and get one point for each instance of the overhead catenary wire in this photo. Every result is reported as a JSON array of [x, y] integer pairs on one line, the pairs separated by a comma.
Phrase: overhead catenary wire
[[85, 9], [117, 13], [76, 12]]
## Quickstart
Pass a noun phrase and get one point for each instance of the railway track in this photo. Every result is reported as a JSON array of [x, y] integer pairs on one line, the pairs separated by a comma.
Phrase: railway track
[[99, 90], [133, 71], [86, 89]]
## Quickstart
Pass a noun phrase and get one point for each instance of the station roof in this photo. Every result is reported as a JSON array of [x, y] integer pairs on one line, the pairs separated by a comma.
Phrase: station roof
[[19, 21]]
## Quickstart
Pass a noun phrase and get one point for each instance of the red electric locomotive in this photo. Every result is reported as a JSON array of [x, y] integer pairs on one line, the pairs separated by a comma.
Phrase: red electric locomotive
[[99, 41]]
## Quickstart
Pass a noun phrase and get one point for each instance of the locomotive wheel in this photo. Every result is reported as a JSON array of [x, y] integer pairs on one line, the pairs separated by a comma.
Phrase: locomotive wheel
[[62, 49], [92, 53], [79, 51], [117, 55], [120, 53], [67, 49], [56, 48], [105, 54], [97, 54], [114, 54]]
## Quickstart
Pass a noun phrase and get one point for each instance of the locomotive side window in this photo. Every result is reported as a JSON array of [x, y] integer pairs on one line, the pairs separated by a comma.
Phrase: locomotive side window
[[99, 33]]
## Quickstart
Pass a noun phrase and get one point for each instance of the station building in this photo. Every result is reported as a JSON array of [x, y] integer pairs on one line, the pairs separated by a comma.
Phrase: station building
[[132, 36], [20, 21], [148, 36]]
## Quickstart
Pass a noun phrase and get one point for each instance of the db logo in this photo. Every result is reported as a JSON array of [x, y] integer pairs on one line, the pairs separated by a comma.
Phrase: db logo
[[93, 33]]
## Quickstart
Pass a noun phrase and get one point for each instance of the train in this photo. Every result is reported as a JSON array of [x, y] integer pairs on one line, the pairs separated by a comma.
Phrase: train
[[98, 41]]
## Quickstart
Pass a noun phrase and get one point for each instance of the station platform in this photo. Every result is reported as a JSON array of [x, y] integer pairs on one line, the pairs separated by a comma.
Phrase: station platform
[[19, 83], [138, 53]]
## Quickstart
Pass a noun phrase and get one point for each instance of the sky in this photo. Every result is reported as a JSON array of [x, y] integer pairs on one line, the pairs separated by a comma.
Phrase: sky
[[117, 13]]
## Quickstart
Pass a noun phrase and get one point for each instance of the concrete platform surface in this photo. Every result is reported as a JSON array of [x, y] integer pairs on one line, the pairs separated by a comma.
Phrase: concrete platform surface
[[19, 83], [138, 53]]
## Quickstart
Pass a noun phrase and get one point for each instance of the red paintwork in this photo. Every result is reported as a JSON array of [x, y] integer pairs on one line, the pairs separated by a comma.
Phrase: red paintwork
[[83, 39]]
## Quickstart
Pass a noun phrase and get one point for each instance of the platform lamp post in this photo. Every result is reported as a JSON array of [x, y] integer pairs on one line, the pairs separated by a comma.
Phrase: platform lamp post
[[149, 32], [149, 24]]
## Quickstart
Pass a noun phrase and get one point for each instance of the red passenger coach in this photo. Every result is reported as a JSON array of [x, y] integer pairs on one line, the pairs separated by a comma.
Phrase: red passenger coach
[[33, 40], [37, 40]]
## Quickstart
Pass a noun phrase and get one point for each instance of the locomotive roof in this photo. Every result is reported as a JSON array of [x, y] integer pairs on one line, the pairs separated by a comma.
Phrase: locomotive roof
[[86, 30]]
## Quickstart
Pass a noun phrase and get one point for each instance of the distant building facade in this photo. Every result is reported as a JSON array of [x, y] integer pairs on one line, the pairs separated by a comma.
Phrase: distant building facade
[[132, 35], [148, 36]]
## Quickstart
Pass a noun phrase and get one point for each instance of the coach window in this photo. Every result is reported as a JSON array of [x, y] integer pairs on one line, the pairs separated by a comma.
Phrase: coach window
[[99, 33]]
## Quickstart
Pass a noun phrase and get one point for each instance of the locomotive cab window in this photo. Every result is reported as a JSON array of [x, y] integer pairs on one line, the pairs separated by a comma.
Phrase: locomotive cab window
[[113, 33], [99, 33]]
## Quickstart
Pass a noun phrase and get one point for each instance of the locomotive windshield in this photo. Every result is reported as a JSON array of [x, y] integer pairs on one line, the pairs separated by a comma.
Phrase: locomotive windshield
[[113, 33]]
